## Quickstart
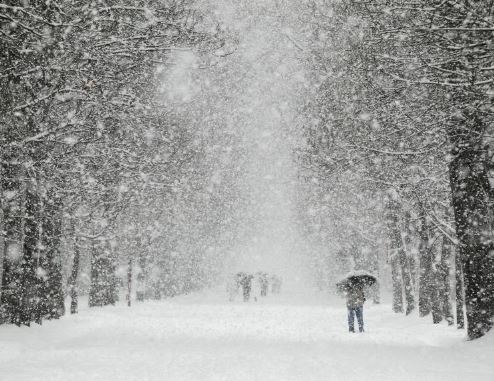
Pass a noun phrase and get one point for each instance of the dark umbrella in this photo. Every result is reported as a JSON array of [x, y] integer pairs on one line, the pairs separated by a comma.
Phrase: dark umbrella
[[356, 279]]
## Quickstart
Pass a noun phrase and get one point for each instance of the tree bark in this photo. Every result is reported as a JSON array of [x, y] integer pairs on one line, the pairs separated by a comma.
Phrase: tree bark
[[375, 289], [53, 296], [397, 285], [74, 302], [425, 273], [2, 236], [14, 211], [445, 265], [460, 292], [436, 289], [103, 290], [28, 308], [407, 244], [436, 286], [129, 283], [98, 278], [471, 203], [399, 256]]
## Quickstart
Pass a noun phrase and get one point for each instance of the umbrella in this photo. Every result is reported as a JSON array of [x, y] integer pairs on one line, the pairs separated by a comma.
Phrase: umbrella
[[356, 279]]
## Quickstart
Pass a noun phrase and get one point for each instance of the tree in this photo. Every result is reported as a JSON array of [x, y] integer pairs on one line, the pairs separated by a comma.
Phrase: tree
[[78, 94], [421, 73]]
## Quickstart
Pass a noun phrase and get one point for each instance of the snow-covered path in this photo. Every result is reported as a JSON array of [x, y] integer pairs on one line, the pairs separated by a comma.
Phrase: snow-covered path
[[202, 338]]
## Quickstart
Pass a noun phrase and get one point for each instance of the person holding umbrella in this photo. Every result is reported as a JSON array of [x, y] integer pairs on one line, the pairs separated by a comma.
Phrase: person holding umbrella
[[352, 287], [355, 299]]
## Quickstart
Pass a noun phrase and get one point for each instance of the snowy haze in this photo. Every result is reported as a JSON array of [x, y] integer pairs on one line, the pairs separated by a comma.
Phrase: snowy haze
[[252, 91], [214, 189]]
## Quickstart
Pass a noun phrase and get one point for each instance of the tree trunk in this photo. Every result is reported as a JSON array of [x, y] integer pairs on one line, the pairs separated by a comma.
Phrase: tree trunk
[[436, 291], [98, 278], [460, 293], [471, 203], [436, 286], [399, 255], [407, 244], [5, 104], [375, 289], [2, 237], [142, 261], [103, 290], [376, 293], [53, 296], [28, 308], [446, 251], [129, 283], [407, 281], [74, 300], [425, 264], [397, 286], [13, 221]]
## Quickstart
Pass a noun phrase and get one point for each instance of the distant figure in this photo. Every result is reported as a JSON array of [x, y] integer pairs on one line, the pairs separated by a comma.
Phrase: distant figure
[[140, 287], [275, 284], [355, 299], [257, 286], [263, 279], [232, 286], [246, 283]]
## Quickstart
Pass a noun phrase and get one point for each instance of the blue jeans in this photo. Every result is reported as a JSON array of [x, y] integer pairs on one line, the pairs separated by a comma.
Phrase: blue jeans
[[359, 312]]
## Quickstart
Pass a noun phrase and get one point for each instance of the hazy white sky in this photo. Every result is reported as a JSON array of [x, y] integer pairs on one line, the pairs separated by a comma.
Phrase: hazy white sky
[[266, 75]]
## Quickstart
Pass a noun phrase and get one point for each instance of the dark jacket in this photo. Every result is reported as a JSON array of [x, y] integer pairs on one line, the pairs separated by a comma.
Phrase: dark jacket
[[355, 297]]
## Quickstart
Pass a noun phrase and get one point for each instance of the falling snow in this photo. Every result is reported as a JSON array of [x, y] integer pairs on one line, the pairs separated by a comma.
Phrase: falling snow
[[185, 185]]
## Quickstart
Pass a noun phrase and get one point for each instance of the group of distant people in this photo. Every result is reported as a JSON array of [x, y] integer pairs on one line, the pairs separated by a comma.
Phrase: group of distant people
[[253, 285]]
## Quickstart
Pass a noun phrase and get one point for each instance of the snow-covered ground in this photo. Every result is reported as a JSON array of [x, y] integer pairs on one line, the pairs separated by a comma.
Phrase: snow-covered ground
[[203, 337]]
